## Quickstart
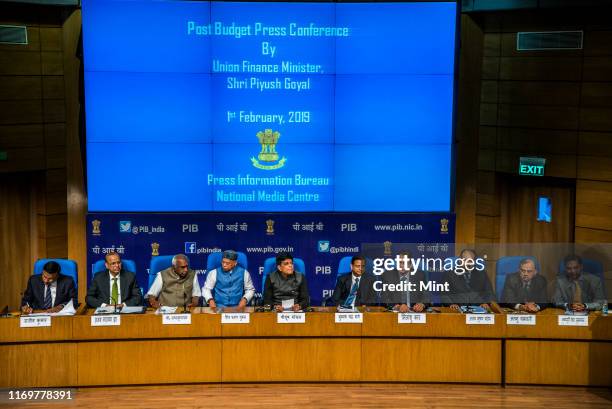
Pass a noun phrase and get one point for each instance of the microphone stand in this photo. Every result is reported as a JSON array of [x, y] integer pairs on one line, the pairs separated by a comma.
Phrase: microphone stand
[[114, 301], [185, 309]]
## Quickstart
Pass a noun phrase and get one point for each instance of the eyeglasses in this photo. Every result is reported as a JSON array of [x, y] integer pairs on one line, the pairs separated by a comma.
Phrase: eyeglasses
[[287, 263]]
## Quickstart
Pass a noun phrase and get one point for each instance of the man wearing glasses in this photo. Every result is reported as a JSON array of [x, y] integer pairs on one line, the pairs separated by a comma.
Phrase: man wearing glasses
[[231, 284], [114, 286], [286, 284], [525, 290]]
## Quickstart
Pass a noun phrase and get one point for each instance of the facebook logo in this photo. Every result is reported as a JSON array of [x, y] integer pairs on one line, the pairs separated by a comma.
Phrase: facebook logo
[[190, 247], [323, 246]]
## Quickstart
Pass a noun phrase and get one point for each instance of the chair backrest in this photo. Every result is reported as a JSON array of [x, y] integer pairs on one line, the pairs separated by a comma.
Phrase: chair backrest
[[68, 267], [129, 265], [344, 266], [590, 266], [509, 265], [158, 263], [270, 266], [214, 260]]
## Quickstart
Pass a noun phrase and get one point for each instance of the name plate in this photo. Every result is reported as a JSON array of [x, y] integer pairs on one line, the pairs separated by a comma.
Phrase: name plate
[[290, 318], [574, 320], [105, 320], [235, 318], [520, 319], [176, 319], [349, 318], [411, 318], [480, 319], [34, 322]]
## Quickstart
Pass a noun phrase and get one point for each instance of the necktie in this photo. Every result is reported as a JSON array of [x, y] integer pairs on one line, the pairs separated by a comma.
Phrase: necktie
[[577, 293], [406, 282], [115, 292], [468, 277], [525, 292], [350, 300], [47, 300]]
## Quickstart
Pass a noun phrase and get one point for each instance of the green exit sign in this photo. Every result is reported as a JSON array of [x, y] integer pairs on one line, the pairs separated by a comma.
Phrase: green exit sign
[[532, 166]]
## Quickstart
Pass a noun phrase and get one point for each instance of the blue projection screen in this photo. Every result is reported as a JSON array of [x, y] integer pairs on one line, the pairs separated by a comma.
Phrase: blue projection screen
[[236, 106]]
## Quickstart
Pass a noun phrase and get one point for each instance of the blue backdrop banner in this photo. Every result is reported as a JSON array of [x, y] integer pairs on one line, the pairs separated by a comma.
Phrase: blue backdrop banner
[[320, 239]]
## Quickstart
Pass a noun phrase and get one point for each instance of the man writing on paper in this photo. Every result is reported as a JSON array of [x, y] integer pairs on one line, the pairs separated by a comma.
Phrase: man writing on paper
[[49, 291], [175, 286], [232, 284], [578, 290], [525, 290], [413, 297], [114, 287], [356, 288], [285, 284]]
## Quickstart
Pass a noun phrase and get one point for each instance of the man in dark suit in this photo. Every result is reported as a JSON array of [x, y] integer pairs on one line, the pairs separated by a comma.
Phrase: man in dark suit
[[413, 298], [468, 283], [115, 286], [525, 290], [356, 288], [49, 291]]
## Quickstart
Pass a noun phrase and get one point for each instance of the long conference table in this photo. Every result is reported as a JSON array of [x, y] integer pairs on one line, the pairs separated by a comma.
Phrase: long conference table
[[445, 348]]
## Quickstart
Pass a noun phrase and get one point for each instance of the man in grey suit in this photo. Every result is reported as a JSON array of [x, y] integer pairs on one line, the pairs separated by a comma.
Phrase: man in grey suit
[[578, 290], [525, 290], [115, 286]]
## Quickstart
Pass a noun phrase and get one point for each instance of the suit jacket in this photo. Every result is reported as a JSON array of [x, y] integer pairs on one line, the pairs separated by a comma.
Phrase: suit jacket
[[514, 293], [98, 292], [35, 292], [590, 284], [478, 291], [365, 293], [390, 298]]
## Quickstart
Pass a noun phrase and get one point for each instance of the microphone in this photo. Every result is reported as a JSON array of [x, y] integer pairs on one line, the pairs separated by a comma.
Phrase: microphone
[[114, 301], [185, 302]]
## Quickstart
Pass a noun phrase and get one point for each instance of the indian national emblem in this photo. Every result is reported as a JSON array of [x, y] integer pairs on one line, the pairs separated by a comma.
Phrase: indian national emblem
[[444, 226], [95, 227], [270, 228], [155, 248], [388, 245], [268, 140]]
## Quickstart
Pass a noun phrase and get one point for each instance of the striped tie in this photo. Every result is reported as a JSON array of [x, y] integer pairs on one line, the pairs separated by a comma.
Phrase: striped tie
[[47, 300], [350, 300]]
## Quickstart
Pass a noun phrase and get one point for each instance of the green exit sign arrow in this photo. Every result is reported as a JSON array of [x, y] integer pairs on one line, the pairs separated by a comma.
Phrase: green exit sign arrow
[[532, 166]]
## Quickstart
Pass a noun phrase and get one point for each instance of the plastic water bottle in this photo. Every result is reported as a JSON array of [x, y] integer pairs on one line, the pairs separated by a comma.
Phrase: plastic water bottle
[[604, 308]]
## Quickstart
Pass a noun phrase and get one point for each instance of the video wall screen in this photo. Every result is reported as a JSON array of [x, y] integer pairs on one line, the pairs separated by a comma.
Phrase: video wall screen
[[256, 106]]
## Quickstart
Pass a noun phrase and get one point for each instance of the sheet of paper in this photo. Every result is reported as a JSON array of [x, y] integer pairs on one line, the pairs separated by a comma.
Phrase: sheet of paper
[[27, 321], [288, 304], [480, 319], [235, 318], [105, 310], [411, 318], [164, 309], [132, 310], [520, 319], [347, 309], [67, 310], [290, 318]]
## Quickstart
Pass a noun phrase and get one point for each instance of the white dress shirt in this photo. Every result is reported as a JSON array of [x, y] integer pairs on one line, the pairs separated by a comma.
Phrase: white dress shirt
[[156, 287], [53, 288], [353, 279], [211, 281], [110, 289]]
